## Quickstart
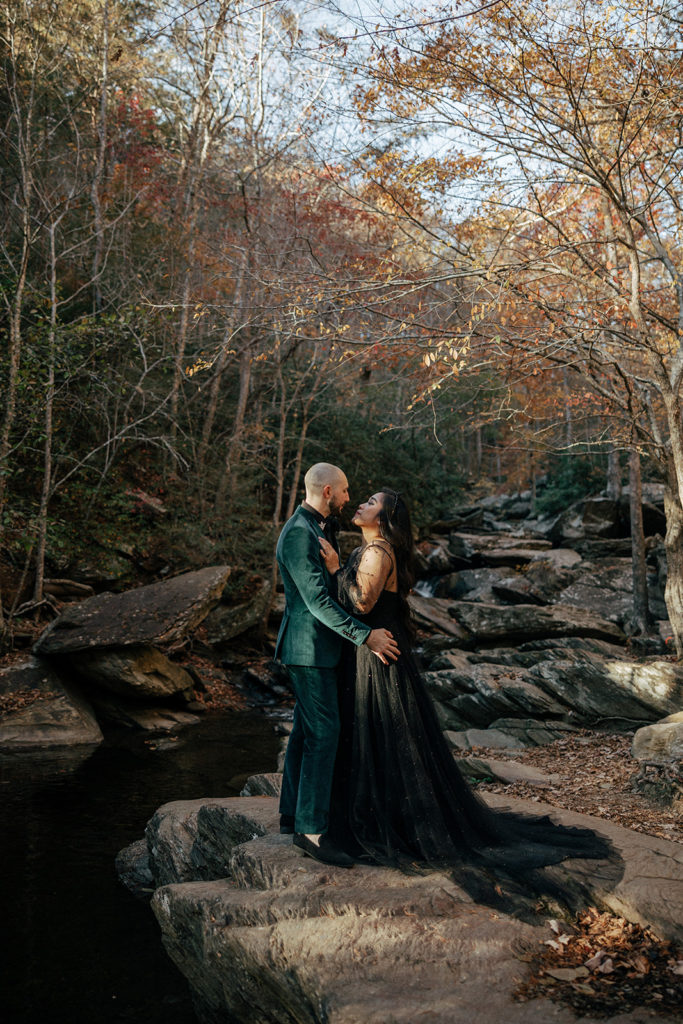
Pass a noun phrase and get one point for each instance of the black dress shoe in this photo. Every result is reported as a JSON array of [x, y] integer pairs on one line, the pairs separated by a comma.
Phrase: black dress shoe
[[324, 851], [286, 825]]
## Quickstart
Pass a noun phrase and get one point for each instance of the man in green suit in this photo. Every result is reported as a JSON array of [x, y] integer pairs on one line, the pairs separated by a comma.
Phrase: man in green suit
[[309, 644]]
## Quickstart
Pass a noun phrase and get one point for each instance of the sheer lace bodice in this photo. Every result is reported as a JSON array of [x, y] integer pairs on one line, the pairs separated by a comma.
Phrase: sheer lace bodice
[[399, 797], [366, 577]]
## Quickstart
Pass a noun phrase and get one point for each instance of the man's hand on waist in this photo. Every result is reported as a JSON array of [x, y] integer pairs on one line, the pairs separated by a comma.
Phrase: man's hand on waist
[[381, 642]]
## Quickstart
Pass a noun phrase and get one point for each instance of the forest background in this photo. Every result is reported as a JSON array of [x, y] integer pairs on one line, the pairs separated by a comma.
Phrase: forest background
[[440, 246]]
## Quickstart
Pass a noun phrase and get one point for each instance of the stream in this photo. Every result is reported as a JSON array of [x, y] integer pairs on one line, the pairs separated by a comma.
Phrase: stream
[[77, 947]]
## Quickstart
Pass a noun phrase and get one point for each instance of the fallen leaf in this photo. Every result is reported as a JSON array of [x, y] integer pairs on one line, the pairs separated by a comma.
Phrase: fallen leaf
[[567, 973], [596, 960], [606, 967]]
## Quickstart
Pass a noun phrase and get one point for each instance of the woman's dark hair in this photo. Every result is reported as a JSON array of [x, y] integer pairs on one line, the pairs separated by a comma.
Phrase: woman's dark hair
[[395, 526]]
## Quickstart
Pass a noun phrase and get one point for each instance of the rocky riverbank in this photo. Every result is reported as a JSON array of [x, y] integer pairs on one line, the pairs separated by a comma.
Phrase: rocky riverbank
[[265, 934]]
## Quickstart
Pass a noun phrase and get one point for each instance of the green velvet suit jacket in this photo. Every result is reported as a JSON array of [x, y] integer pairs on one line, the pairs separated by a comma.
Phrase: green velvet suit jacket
[[313, 624]]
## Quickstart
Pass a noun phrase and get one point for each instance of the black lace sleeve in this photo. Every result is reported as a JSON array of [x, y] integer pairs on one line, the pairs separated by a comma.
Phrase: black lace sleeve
[[361, 581]]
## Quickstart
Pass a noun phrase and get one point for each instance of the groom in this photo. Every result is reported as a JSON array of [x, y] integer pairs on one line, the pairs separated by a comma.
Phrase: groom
[[309, 644]]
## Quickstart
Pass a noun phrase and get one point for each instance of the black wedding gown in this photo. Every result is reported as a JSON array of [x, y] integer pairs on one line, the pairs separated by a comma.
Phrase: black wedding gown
[[399, 798]]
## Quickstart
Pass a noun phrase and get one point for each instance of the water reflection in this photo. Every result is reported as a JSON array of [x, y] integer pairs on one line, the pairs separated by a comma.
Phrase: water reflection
[[79, 947]]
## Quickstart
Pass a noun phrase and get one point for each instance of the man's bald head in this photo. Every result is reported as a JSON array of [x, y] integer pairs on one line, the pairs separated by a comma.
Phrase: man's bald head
[[327, 488], [319, 475]]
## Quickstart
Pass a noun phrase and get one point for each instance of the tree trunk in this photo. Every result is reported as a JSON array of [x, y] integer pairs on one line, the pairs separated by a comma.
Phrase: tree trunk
[[673, 593], [194, 157], [231, 329], [613, 475], [227, 481], [96, 186], [47, 447], [641, 613], [568, 421], [14, 305]]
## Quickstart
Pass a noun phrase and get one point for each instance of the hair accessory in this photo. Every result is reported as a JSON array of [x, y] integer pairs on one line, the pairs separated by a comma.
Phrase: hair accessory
[[397, 495]]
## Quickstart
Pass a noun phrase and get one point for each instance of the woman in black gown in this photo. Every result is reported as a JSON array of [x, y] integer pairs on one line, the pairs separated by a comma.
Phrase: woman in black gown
[[399, 798]]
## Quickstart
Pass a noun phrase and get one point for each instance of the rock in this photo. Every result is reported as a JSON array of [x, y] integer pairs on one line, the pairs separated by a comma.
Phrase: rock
[[451, 659], [499, 692], [438, 558], [559, 558], [431, 612], [612, 691], [517, 590], [606, 590], [509, 772], [566, 646], [491, 623], [132, 867], [190, 840], [449, 719], [277, 609], [130, 714], [479, 543], [435, 644], [549, 577], [225, 622], [59, 717], [286, 938], [661, 743], [531, 733], [572, 680], [508, 556], [594, 517], [457, 739], [469, 517], [472, 584], [110, 570], [159, 613], [592, 548], [266, 784], [462, 550], [310, 944], [492, 738], [518, 509], [266, 685], [132, 671], [476, 694]]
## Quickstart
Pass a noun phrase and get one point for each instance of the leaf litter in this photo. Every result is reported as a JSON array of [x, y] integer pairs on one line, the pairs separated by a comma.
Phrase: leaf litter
[[604, 965], [593, 774]]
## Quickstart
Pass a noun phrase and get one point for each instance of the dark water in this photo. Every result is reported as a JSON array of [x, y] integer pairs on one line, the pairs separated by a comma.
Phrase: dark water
[[77, 948]]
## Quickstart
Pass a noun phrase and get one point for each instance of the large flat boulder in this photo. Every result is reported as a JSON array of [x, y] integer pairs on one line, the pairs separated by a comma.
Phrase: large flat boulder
[[141, 671], [488, 623], [227, 621], [159, 613], [573, 680], [59, 715], [592, 517], [605, 588], [132, 713], [193, 839], [472, 584], [433, 612], [285, 938], [505, 771]]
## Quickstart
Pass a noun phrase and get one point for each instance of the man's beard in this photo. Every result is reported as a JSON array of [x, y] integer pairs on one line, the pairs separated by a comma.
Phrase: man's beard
[[336, 506]]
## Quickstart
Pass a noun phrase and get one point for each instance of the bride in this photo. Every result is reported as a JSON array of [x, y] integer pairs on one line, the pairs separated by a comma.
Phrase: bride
[[399, 798]]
